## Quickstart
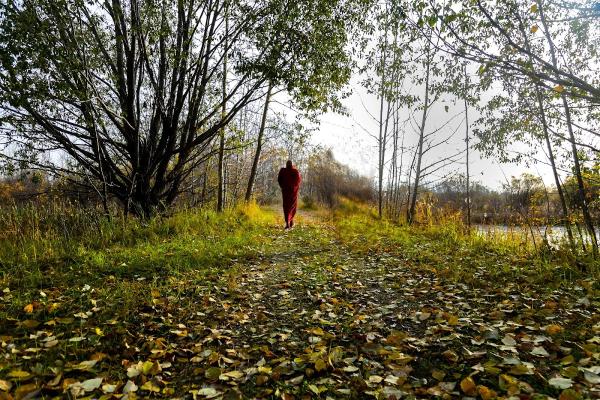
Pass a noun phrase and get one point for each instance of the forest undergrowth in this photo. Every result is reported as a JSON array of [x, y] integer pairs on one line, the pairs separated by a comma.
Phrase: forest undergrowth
[[207, 305]]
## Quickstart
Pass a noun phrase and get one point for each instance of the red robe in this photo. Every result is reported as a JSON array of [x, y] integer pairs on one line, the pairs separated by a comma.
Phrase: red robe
[[289, 180]]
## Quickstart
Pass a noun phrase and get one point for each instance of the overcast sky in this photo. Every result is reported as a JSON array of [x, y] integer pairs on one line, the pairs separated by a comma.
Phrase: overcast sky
[[354, 147]]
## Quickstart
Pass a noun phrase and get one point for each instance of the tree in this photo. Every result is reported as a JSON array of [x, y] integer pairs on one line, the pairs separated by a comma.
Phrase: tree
[[259, 142], [412, 75], [484, 33], [535, 72], [129, 91]]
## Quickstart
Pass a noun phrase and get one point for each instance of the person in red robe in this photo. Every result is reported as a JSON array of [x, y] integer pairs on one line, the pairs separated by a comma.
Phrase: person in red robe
[[289, 180]]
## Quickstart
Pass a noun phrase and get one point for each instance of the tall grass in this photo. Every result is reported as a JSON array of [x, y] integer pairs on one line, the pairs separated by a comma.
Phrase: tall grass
[[42, 244], [443, 243]]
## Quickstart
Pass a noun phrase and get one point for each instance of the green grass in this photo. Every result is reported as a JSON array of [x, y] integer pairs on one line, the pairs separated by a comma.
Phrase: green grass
[[449, 249], [60, 245], [176, 281], [86, 248]]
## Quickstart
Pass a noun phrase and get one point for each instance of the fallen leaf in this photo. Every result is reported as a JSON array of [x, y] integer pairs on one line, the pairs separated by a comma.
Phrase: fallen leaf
[[468, 386], [91, 384], [130, 387], [539, 351], [486, 393], [560, 383], [320, 365], [150, 387], [26, 391], [19, 375], [5, 385]]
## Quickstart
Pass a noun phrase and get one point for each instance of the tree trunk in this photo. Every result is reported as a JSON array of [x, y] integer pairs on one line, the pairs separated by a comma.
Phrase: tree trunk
[[221, 188], [261, 131], [581, 192], [415, 191], [468, 188], [381, 143], [544, 121]]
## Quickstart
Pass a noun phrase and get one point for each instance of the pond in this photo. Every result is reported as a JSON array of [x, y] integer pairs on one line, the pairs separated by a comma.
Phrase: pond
[[555, 234]]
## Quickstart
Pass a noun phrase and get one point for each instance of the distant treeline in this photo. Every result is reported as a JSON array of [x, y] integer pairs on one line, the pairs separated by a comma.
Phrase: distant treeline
[[522, 200]]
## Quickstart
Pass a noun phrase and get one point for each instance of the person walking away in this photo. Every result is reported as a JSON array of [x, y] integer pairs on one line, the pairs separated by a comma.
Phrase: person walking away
[[289, 180]]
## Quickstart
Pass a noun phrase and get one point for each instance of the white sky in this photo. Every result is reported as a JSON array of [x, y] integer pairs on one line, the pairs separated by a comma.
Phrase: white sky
[[352, 146]]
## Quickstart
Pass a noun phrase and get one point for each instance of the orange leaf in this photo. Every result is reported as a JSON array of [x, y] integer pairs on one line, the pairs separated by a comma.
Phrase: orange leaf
[[553, 329], [468, 386], [486, 393]]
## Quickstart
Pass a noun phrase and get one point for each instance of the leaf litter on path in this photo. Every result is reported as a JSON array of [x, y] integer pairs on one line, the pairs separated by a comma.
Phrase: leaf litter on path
[[313, 320]]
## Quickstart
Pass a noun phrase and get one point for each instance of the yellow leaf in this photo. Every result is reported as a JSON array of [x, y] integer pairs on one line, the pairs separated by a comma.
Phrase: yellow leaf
[[534, 8], [150, 368], [314, 389], [18, 374], [150, 387], [534, 29], [28, 308], [559, 88], [85, 365], [468, 386], [320, 365], [507, 382], [264, 370], [486, 393], [317, 331], [437, 374], [5, 385], [99, 331], [234, 374]]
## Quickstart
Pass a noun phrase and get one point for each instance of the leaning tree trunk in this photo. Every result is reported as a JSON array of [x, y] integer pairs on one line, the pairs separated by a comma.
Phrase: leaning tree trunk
[[581, 192], [259, 140], [544, 121], [415, 191]]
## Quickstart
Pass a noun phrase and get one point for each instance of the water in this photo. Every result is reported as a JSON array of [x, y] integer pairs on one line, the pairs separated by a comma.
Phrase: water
[[555, 234]]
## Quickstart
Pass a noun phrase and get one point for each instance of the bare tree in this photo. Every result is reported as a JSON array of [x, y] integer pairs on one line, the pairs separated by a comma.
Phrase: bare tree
[[259, 142]]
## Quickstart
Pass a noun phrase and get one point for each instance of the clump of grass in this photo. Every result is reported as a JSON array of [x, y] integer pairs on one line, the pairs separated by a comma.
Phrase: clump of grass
[[308, 203]]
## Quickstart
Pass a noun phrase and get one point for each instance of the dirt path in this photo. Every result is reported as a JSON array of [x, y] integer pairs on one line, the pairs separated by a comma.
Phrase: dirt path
[[318, 320], [311, 318]]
